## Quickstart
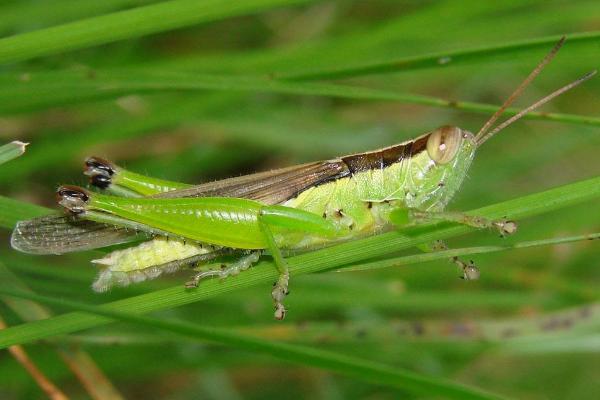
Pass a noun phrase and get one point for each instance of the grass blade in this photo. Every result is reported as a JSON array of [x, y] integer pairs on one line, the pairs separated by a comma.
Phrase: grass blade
[[11, 150], [18, 14], [447, 254], [12, 211], [45, 384], [81, 363], [442, 59], [67, 87], [351, 366], [132, 23], [326, 259]]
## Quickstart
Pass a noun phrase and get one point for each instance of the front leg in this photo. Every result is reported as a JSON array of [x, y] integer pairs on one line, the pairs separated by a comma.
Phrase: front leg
[[503, 226], [469, 270]]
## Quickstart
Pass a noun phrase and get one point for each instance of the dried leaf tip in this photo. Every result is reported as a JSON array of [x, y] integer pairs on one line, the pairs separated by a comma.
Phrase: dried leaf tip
[[20, 145]]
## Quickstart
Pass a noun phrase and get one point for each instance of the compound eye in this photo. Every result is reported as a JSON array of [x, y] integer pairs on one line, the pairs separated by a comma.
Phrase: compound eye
[[443, 144]]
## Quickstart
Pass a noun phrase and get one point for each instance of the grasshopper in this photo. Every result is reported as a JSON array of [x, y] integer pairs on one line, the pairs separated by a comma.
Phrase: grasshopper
[[282, 211]]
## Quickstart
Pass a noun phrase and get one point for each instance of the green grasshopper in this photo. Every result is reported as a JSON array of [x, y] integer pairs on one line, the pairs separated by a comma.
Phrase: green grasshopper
[[286, 210]]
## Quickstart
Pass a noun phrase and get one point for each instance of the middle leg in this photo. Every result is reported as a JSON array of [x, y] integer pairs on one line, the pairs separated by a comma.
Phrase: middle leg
[[232, 269], [469, 270]]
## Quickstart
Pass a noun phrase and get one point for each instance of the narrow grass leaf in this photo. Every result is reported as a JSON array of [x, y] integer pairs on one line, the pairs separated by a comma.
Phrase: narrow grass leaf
[[326, 259], [585, 344], [565, 323], [46, 89], [447, 254], [443, 59], [12, 211], [355, 367], [81, 363], [15, 15], [127, 24], [11, 150]]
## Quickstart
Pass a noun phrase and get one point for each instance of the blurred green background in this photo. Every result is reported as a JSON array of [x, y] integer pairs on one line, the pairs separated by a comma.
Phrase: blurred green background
[[201, 102]]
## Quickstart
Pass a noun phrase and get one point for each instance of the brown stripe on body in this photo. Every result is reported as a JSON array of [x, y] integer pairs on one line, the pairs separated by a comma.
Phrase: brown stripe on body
[[385, 157]]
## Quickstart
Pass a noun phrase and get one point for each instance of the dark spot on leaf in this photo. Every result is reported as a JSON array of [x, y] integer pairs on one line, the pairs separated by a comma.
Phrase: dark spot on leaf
[[418, 328]]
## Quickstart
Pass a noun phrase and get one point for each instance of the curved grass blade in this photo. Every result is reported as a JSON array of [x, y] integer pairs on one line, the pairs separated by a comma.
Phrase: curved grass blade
[[326, 259], [132, 23], [447, 254], [442, 59], [566, 323], [69, 87], [588, 345], [15, 15], [44, 383], [83, 366], [355, 367]]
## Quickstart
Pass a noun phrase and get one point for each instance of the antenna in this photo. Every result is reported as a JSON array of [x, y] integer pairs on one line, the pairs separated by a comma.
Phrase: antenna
[[486, 136], [515, 95]]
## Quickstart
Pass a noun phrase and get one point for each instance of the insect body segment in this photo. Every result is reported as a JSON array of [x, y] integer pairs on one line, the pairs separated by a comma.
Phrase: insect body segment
[[148, 260]]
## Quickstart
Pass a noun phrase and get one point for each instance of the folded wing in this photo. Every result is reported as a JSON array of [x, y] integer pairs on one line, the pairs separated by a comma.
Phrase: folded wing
[[58, 234]]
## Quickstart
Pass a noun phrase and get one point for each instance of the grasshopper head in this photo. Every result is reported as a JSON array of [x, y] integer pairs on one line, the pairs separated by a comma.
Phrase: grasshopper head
[[450, 149], [439, 164]]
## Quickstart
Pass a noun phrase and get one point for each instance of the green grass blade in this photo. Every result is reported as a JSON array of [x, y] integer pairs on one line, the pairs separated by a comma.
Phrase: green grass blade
[[12, 211], [588, 344], [48, 13], [132, 23], [351, 366], [443, 59], [326, 259], [447, 254], [81, 363], [11, 150], [67, 87], [565, 322]]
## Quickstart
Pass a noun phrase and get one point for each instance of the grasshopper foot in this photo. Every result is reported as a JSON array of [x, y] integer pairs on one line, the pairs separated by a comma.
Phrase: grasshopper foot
[[469, 271], [280, 290], [505, 226]]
